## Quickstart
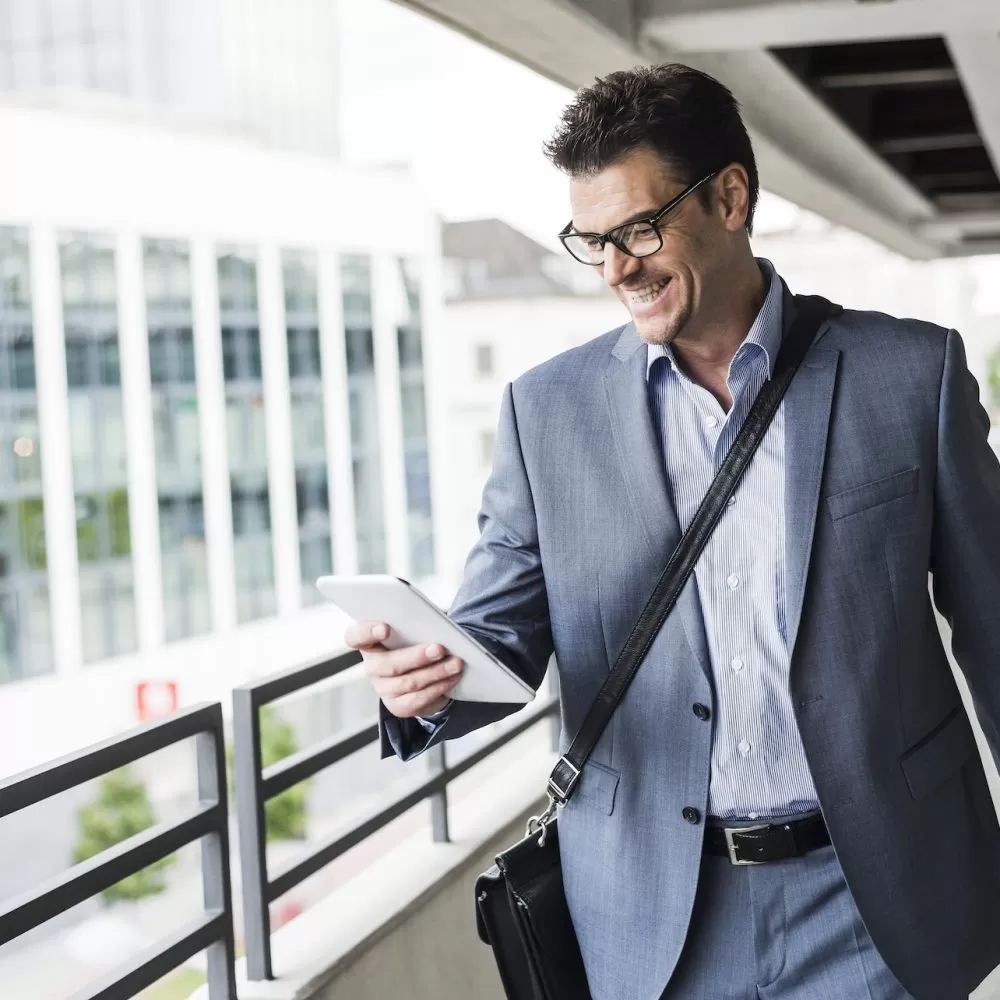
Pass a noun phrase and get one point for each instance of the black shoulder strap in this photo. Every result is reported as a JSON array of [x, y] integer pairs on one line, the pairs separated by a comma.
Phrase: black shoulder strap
[[813, 311]]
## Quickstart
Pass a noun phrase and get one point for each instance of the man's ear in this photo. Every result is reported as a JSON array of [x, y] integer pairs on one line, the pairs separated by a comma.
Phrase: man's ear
[[733, 193]]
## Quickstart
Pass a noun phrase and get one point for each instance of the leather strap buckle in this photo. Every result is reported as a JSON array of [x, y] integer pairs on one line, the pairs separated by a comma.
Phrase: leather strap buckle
[[569, 774], [732, 832]]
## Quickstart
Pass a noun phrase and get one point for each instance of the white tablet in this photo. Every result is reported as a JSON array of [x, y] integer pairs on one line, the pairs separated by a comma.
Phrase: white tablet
[[416, 620]]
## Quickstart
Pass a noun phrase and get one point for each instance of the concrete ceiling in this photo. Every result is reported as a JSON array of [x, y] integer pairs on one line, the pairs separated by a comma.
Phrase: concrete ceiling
[[881, 115]]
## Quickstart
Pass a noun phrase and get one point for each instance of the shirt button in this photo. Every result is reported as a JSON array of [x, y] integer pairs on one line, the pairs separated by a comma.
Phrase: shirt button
[[702, 712], [691, 815], [733, 580], [736, 663], [711, 422], [731, 502], [744, 747]]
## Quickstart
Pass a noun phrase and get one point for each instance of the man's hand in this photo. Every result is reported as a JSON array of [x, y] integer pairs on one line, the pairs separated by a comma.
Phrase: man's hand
[[411, 681]]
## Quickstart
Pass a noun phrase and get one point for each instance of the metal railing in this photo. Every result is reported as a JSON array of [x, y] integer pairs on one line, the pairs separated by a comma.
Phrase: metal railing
[[256, 786], [208, 821]]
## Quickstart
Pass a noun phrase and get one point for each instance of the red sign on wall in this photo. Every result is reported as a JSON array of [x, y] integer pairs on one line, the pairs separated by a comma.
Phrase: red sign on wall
[[155, 699]]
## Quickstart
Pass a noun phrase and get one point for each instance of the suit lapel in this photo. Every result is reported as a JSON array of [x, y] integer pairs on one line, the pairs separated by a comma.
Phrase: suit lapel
[[808, 406], [638, 447]]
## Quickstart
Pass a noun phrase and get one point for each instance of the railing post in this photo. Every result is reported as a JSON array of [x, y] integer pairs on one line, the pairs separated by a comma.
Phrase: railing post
[[216, 885], [438, 764], [252, 834]]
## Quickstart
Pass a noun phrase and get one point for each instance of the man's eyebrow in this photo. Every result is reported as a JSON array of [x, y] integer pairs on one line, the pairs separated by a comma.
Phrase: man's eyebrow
[[635, 217]]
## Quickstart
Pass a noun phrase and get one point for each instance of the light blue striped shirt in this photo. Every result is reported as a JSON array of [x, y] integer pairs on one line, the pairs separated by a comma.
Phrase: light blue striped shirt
[[759, 767]]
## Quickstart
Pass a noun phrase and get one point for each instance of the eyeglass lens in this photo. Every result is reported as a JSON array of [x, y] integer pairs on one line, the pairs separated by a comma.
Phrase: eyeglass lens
[[639, 239]]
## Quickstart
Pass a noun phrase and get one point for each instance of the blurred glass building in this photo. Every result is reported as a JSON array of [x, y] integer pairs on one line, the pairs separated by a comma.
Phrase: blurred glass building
[[213, 349], [269, 67]]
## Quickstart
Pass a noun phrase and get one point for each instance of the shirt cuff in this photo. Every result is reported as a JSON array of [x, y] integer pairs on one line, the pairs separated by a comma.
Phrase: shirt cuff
[[431, 722]]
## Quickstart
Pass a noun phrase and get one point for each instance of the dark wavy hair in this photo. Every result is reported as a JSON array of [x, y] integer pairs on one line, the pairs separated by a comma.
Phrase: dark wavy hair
[[689, 119]]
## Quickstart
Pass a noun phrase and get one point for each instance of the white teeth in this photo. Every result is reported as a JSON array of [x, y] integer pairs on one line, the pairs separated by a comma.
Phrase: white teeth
[[648, 293]]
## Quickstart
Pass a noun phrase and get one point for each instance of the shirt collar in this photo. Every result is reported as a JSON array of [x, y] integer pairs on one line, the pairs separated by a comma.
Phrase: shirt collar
[[765, 333]]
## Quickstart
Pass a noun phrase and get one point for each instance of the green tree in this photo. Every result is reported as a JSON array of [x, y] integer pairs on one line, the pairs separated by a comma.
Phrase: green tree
[[285, 814], [31, 530], [993, 379], [121, 810]]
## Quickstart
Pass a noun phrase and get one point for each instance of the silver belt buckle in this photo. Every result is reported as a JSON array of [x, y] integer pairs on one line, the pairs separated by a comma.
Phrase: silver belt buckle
[[730, 831]]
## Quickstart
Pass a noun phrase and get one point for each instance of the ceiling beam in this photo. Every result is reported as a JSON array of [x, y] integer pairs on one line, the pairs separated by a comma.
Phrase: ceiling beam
[[928, 143], [815, 22], [973, 248], [967, 201], [978, 180], [958, 224], [977, 57], [888, 78]]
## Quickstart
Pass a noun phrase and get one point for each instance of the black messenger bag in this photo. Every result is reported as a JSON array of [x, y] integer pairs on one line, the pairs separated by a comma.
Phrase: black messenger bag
[[521, 909]]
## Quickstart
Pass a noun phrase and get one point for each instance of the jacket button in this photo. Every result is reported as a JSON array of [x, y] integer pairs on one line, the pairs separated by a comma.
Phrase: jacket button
[[702, 712], [691, 815]]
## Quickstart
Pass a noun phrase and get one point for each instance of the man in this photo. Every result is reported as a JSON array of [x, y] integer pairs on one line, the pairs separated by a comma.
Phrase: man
[[800, 685]]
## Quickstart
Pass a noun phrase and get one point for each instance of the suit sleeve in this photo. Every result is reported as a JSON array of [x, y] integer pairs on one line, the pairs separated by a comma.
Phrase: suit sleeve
[[966, 542], [502, 601]]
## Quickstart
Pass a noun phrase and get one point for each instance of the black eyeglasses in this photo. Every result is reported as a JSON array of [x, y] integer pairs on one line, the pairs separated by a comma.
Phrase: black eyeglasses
[[638, 239]]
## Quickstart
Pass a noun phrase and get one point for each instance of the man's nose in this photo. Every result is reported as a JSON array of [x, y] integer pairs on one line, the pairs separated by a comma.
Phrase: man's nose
[[618, 265]]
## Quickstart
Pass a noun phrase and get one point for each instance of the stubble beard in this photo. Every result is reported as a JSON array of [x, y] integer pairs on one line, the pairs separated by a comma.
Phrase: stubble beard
[[664, 331]]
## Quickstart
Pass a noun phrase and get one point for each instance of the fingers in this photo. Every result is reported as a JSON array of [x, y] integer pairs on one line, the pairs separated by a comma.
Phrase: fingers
[[413, 680], [444, 674], [425, 701], [396, 662], [364, 635]]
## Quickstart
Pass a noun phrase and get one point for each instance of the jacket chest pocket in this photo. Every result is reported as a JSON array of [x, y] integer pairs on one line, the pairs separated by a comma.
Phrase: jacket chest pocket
[[873, 495]]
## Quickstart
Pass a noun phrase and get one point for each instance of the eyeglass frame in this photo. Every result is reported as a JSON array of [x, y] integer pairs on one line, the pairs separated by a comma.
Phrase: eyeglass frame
[[653, 221]]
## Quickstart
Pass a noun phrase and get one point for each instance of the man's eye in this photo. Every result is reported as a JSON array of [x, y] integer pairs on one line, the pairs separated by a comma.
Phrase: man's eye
[[637, 232]]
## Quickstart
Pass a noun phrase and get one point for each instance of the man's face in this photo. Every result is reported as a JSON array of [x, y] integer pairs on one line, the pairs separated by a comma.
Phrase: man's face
[[665, 291]]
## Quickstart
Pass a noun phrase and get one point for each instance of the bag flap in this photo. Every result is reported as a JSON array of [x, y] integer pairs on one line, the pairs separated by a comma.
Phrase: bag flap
[[490, 881]]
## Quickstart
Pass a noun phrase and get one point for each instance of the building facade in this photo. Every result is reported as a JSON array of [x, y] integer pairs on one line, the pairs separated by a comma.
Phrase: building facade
[[215, 367], [265, 67]]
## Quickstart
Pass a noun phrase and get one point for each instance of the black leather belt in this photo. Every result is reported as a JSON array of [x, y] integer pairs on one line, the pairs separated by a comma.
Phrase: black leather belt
[[757, 845]]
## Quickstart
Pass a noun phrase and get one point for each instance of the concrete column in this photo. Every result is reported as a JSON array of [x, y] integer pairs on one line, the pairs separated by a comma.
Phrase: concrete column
[[448, 557], [212, 419], [278, 426], [388, 303], [56, 457], [337, 413], [137, 407]]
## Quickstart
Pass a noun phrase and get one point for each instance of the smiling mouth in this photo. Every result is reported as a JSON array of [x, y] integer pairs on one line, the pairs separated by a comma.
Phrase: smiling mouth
[[648, 293]]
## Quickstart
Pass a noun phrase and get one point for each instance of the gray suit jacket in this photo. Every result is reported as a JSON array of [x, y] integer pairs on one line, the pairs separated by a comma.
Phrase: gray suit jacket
[[889, 477]]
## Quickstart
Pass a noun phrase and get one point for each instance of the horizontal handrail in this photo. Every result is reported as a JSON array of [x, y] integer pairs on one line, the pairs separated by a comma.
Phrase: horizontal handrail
[[39, 783], [382, 815], [281, 776], [287, 682], [158, 960], [207, 822], [547, 709], [93, 876], [256, 785]]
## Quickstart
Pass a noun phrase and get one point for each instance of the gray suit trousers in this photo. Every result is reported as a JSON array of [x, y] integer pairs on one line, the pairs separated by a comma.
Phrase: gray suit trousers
[[788, 930]]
